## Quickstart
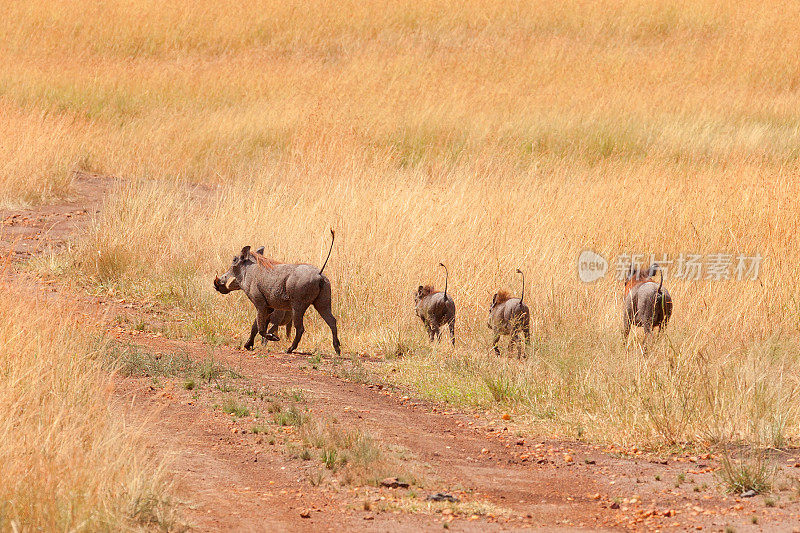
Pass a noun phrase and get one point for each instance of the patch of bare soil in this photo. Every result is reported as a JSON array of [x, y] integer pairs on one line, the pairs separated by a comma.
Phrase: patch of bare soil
[[245, 471], [31, 231]]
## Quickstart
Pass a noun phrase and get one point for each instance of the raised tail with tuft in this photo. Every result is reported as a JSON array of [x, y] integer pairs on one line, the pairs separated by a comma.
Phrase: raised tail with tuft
[[659, 300], [522, 297], [333, 238], [446, 275]]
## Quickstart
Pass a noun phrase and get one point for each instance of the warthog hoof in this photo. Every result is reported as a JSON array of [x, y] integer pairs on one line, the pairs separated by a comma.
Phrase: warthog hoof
[[248, 346], [270, 337]]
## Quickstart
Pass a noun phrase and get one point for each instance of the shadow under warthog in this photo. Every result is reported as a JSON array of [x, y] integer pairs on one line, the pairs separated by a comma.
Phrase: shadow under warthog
[[274, 286]]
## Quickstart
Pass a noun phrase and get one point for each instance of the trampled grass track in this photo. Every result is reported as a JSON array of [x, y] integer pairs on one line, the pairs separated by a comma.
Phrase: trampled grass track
[[232, 478]]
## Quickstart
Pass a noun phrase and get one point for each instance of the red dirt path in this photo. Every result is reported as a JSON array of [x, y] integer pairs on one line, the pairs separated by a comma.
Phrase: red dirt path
[[229, 479]]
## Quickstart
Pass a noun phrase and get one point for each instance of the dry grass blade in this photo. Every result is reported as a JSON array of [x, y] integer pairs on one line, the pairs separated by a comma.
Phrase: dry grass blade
[[69, 461], [489, 137], [751, 472]]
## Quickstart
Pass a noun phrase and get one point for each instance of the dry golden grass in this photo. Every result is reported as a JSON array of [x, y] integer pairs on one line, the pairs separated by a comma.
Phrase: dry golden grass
[[69, 462], [37, 155], [488, 136], [199, 90]]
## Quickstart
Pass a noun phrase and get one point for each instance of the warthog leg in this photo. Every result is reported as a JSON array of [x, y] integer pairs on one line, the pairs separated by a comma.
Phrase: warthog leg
[[262, 321], [298, 311], [253, 331], [452, 325], [329, 319]]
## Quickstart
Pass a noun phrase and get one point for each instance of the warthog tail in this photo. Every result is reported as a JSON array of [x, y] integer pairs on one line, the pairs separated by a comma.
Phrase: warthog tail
[[445, 280], [333, 237], [660, 299], [522, 297]]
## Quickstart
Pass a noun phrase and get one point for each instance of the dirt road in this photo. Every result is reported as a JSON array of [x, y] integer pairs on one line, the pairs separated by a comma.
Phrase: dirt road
[[239, 466]]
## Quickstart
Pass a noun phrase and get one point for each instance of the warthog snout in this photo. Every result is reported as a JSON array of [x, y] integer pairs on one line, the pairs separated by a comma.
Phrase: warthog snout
[[227, 283]]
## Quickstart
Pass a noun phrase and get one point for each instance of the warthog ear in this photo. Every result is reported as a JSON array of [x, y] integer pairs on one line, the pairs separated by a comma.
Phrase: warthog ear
[[420, 291], [260, 250], [494, 299], [653, 270], [245, 251]]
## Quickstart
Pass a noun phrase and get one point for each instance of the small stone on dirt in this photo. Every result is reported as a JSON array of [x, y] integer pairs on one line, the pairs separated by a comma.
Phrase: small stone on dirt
[[506, 416], [394, 483], [442, 497], [748, 493], [305, 513]]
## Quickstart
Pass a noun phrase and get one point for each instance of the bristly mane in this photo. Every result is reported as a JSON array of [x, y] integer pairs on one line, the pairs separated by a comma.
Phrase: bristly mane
[[428, 290], [502, 296], [637, 276], [265, 262]]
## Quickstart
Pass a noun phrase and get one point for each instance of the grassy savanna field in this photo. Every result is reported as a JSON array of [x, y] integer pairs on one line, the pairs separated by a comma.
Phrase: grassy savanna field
[[487, 135], [70, 463]]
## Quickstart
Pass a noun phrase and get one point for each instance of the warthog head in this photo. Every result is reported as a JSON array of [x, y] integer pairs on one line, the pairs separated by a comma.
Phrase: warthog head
[[422, 292], [229, 281], [499, 298], [637, 276]]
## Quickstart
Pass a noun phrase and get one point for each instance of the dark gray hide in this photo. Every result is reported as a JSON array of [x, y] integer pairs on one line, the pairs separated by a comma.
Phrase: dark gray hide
[[435, 310], [647, 304], [272, 286], [510, 317]]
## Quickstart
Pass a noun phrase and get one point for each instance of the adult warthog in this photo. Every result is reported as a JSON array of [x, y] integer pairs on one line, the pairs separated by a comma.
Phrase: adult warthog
[[436, 309], [510, 316], [272, 285], [277, 318], [646, 303]]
